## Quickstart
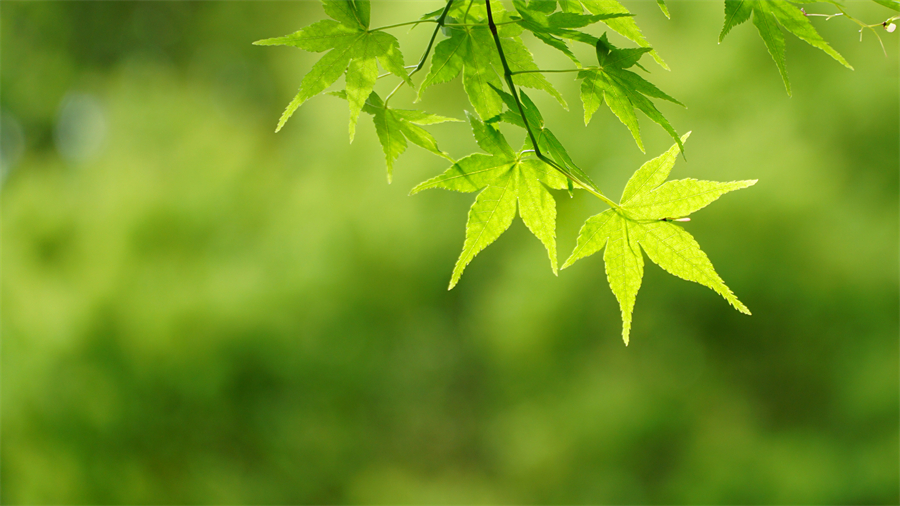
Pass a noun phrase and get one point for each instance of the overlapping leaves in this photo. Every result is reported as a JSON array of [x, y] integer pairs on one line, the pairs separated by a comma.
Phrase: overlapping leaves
[[351, 47], [538, 16], [513, 182], [471, 51], [622, 90], [643, 221], [623, 25], [554, 28], [547, 142], [506, 181], [768, 15]]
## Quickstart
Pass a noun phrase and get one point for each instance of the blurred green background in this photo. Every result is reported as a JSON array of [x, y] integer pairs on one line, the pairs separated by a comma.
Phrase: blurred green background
[[197, 310]]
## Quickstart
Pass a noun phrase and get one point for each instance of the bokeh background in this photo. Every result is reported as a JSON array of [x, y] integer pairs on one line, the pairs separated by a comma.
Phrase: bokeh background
[[198, 310]]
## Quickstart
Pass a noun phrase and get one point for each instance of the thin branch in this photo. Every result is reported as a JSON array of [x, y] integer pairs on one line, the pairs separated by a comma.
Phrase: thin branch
[[403, 24], [391, 94], [483, 24], [826, 16], [862, 25], [440, 23], [517, 72], [507, 74], [421, 64], [389, 74]]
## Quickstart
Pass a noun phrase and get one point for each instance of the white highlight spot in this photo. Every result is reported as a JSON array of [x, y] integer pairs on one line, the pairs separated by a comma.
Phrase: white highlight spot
[[80, 127], [12, 144]]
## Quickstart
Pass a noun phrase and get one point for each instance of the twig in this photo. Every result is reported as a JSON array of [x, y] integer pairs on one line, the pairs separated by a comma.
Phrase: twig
[[421, 64], [507, 74]]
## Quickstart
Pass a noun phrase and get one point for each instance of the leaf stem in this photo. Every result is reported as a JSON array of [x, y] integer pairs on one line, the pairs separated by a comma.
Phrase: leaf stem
[[389, 74], [391, 94], [862, 25], [440, 23], [421, 64], [554, 70], [482, 24], [507, 74], [466, 14], [403, 24]]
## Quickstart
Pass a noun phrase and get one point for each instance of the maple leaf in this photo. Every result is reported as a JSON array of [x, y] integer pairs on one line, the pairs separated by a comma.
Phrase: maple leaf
[[506, 181], [767, 16], [644, 222], [624, 24], [470, 50], [622, 90], [552, 27], [395, 126], [351, 47]]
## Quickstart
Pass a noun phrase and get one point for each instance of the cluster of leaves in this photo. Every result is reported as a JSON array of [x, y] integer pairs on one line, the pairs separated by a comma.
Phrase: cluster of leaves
[[482, 43], [768, 15]]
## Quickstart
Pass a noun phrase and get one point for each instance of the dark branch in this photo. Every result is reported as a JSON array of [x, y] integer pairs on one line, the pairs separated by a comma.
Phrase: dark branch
[[507, 74], [440, 23]]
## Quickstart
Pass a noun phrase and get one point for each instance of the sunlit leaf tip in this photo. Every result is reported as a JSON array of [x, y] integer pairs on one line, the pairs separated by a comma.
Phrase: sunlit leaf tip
[[665, 10]]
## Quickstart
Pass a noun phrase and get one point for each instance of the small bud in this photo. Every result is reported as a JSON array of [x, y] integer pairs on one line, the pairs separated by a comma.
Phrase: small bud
[[890, 27]]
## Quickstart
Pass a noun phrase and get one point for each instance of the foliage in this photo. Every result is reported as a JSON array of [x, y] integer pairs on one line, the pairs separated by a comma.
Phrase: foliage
[[768, 15], [643, 221], [483, 44], [206, 312], [505, 178], [622, 90]]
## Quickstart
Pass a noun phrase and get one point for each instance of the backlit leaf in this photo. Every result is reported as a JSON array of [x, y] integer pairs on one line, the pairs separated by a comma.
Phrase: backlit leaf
[[351, 47], [395, 126], [507, 182], [471, 50], [623, 91], [643, 222]]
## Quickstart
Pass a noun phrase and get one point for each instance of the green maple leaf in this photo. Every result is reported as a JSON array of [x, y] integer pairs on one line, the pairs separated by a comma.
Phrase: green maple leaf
[[552, 27], [549, 28], [622, 90], [470, 50], [768, 15], [395, 126], [351, 47], [644, 222], [506, 181], [624, 25]]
